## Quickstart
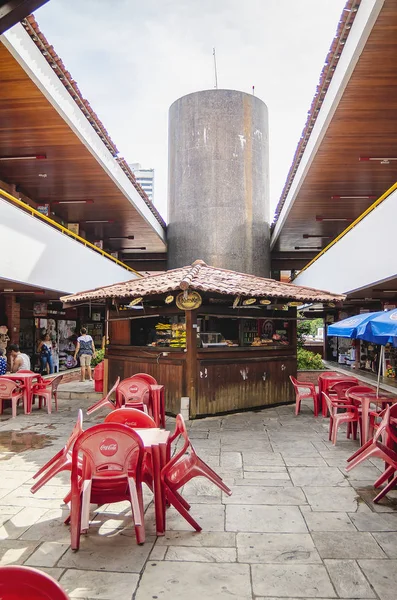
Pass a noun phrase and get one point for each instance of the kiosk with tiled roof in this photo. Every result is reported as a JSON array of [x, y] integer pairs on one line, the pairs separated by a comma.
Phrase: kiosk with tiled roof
[[225, 340]]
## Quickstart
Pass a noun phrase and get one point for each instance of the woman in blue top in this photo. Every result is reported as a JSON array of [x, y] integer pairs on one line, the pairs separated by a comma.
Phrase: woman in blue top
[[3, 362], [45, 350], [85, 349]]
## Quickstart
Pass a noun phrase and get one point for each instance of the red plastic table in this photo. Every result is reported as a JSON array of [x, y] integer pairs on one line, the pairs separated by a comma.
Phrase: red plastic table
[[365, 399], [27, 379], [155, 441], [158, 397], [325, 380]]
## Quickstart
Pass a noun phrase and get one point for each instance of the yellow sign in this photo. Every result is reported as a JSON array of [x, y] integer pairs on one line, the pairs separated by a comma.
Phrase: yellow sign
[[135, 301], [265, 302], [295, 303], [249, 301], [236, 301], [188, 302], [169, 299]]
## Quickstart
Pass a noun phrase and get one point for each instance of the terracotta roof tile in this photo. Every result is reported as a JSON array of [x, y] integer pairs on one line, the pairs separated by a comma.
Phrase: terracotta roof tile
[[31, 26], [202, 277]]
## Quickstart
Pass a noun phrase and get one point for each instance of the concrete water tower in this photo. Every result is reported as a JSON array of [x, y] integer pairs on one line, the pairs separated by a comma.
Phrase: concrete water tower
[[218, 200]]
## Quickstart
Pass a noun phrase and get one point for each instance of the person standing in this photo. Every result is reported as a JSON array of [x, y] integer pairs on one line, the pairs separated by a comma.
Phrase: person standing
[[85, 350], [44, 349], [19, 361]]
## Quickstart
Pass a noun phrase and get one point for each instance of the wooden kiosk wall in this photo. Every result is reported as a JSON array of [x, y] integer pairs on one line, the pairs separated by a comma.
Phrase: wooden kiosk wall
[[216, 380]]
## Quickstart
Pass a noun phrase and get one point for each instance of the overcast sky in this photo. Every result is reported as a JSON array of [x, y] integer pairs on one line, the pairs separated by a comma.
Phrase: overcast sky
[[132, 59]]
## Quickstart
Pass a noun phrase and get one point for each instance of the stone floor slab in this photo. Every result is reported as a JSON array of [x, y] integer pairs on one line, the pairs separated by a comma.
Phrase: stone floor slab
[[388, 542], [348, 579], [265, 495], [116, 553], [333, 544], [331, 499], [276, 548], [382, 575], [96, 585], [15, 552], [299, 581], [374, 522], [222, 539], [263, 518], [173, 581], [317, 476], [201, 554], [328, 521], [47, 554]]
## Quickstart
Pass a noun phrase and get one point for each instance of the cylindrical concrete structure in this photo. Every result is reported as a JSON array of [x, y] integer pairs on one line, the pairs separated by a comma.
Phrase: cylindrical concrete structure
[[218, 202]]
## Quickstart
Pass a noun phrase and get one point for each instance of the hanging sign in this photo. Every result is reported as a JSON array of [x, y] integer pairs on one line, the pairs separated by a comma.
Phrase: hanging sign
[[294, 303], [43, 209], [236, 301], [135, 301], [265, 302], [188, 302], [249, 301], [169, 299]]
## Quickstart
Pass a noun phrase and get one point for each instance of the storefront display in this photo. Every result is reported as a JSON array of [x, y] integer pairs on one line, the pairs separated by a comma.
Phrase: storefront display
[[67, 339]]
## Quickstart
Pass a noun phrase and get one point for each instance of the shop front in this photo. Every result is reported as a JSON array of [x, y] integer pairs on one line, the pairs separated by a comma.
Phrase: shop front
[[222, 341]]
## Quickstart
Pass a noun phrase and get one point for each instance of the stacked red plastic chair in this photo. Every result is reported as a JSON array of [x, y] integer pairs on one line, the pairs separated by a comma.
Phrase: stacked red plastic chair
[[62, 461], [182, 467], [106, 401], [111, 457], [9, 390]]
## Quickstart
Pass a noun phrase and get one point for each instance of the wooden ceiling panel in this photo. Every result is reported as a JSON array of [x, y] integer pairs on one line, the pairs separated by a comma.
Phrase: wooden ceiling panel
[[29, 125], [364, 124]]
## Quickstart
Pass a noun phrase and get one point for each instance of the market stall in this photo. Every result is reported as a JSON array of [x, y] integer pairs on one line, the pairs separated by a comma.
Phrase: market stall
[[222, 339]]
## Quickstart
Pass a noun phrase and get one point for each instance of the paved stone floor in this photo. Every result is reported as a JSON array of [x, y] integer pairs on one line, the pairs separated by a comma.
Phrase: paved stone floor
[[296, 526]]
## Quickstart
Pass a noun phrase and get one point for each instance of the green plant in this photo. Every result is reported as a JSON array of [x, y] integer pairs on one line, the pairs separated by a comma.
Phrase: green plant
[[99, 356], [308, 360]]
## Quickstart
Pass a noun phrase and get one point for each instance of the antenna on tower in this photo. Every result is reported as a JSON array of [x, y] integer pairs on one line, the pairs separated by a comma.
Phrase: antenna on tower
[[215, 70]]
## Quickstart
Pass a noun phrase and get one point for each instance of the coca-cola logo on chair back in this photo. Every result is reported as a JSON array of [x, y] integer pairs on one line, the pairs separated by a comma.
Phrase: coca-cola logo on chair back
[[108, 447]]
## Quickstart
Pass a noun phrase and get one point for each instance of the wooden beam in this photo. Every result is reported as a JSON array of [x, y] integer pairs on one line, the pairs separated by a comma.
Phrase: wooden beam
[[191, 360], [13, 11]]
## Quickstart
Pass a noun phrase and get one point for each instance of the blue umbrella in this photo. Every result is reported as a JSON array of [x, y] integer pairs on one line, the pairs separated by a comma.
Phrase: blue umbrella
[[382, 329], [348, 327]]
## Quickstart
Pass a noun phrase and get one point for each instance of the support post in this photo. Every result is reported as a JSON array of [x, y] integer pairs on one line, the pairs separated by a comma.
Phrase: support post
[[191, 360]]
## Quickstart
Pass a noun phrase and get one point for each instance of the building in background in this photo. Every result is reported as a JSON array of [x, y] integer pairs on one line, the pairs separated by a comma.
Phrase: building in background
[[145, 178]]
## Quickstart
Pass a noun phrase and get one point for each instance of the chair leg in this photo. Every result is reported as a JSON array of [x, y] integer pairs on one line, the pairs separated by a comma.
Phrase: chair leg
[[75, 521], [14, 403], [354, 427], [182, 511], [331, 426], [182, 500], [56, 401], [392, 484], [297, 406], [385, 476], [49, 464], [85, 510], [46, 477]]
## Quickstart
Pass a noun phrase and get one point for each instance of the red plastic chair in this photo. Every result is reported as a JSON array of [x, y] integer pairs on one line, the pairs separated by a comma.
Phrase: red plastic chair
[[134, 393], [390, 458], [372, 449], [145, 377], [112, 457], [62, 461], [132, 417], [9, 390], [182, 468], [304, 389], [46, 390], [106, 401], [340, 388], [25, 582], [351, 416]]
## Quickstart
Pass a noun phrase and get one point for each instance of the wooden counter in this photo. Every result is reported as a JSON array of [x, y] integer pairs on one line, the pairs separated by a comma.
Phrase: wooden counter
[[217, 380]]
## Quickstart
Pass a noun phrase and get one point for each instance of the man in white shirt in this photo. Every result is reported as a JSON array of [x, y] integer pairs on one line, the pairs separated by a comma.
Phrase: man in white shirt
[[19, 361]]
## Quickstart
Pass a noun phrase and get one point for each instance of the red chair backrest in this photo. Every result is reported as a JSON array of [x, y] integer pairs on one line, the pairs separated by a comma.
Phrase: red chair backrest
[[359, 388], [330, 405], [26, 371], [114, 388], [341, 387], [7, 387], [25, 582], [109, 450], [384, 425], [76, 432], [301, 387], [132, 417], [134, 390], [55, 382], [145, 377]]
